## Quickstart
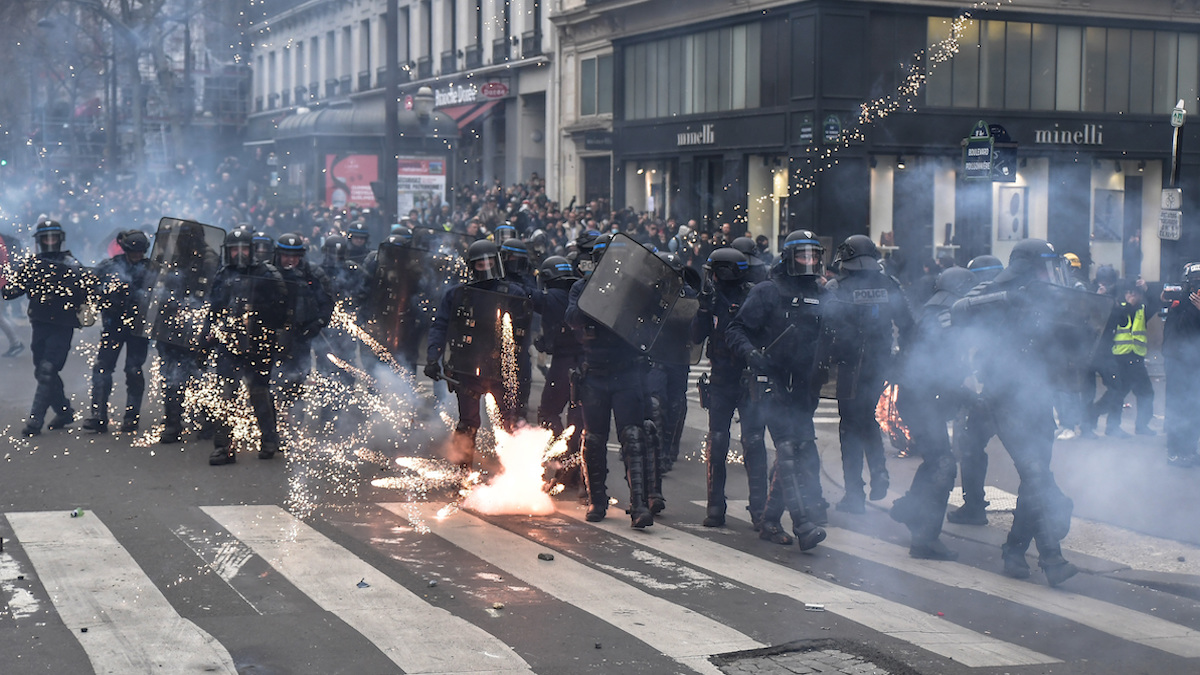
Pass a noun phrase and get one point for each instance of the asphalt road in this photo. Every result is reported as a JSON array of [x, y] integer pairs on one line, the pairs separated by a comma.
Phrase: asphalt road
[[300, 565]]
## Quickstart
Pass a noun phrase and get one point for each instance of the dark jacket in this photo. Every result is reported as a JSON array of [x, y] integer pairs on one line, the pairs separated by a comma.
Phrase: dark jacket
[[769, 309], [57, 286], [713, 319], [123, 290], [247, 306], [309, 302]]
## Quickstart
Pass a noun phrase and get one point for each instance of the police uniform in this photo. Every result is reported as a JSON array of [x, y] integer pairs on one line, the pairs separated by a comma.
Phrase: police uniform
[[123, 294]]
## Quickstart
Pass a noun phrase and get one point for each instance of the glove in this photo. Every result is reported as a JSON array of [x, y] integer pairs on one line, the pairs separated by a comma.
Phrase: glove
[[311, 328], [433, 370], [758, 362]]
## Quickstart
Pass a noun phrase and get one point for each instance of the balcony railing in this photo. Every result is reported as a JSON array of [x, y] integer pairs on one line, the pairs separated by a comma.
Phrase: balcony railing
[[473, 57], [272, 100], [314, 91], [424, 67], [301, 94], [500, 50], [258, 104], [531, 44], [331, 86], [449, 62], [344, 85], [364, 80]]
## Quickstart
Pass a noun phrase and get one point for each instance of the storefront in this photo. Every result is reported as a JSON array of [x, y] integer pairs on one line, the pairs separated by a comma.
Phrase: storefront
[[754, 120]]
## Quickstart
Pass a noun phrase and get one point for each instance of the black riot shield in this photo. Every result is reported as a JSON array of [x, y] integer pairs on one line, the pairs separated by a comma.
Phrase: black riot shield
[[674, 344], [393, 296], [1070, 324], [184, 260], [634, 294], [475, 340]]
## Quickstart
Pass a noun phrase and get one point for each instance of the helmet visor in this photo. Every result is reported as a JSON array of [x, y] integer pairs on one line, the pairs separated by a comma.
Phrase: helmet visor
[[486, 268], [804, 259]]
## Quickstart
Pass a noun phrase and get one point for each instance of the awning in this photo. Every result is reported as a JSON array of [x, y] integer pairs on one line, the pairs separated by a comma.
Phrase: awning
[[464, 115]]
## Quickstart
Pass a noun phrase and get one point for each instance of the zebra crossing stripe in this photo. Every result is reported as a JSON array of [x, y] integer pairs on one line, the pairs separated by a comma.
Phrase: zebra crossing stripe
[[885, 616], [1115, 620], [680, 633], [415, 635], [97, 586]]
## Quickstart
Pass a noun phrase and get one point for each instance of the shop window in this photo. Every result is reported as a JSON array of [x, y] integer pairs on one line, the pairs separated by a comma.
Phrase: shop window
[[1023, 66], [705, 72], [595, 85]]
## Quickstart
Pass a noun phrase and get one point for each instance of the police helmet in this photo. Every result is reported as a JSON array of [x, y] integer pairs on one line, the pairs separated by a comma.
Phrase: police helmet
[[803, 254], [238, 249], [358, 228], [1073, 261], [745, 245], [858, 252], [599, 246], [264, 245], [133, 241], [951, 284], [503, 233], [985, 267], [558, 268], [288, 244], [483, 258], [515, 255], [673, 261], [49, 236], [334, 249], [1033, 259], [727, 264], [1191, 274]]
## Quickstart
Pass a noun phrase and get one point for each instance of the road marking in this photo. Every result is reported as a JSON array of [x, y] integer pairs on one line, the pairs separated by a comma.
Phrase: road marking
[[415, 635], [891, 618], [97, 586], [680, 633], [1115, 620]]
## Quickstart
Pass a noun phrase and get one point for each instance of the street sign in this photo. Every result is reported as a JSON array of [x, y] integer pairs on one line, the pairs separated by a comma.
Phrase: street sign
[[977, 153], [1170, 225], [1178, 115], [1172, 199]]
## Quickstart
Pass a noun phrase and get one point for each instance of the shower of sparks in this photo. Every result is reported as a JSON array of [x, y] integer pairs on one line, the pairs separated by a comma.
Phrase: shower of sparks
[[871, 112], [508, 361]]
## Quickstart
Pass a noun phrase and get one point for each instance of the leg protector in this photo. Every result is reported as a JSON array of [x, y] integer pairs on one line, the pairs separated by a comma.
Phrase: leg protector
[[633, 451], [595, 472], [754, 455], [716, 453]]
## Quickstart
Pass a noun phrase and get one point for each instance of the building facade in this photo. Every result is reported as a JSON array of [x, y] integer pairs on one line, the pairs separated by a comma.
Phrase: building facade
[[852, 117], [484, 60]]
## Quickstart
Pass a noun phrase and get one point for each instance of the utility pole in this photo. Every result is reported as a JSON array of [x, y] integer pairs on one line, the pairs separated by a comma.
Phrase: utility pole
[[391, 110]]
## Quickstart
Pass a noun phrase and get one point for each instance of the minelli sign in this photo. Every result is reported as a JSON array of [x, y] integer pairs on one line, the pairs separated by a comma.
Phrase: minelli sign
[[1090, 134], [705, 136]]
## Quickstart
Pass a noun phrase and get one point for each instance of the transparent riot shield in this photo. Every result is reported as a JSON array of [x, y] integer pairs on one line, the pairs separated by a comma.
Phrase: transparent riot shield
[[1073, 319], [475, 342], [183, 261], [633, 293]]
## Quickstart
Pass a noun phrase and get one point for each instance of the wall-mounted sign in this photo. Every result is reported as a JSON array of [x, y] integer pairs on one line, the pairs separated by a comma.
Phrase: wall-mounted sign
[[706, 135], [1089, 134], [597, 140], [466, 93], [805, 131], [977, 153], [832, 129]]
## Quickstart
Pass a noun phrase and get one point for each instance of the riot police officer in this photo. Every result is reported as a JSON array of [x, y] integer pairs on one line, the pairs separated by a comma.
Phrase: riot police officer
[[869, 307], [249, 302], [487, 274], [264, 246], [1181, 348], [612, 390], [974, 428], [727, 284], [122, 292], [759, 270], [347, 285], [360, 239], [1013, 324], [57, 288], [779, 332], [562, 343], [309, 307], [930, 394]]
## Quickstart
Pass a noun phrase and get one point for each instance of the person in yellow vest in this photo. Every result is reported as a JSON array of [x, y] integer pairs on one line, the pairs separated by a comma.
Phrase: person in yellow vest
[[1129, 352]]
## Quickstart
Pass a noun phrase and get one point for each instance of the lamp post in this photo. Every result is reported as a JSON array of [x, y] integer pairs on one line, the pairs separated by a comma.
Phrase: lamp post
[[391, 108]]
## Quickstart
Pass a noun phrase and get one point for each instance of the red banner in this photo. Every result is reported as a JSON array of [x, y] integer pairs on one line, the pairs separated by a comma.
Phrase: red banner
[[348, 180]]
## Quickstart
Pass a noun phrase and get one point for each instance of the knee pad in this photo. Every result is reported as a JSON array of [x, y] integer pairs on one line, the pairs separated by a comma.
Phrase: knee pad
[[134, 373], [633, 433], [44, 371], [753, 441]]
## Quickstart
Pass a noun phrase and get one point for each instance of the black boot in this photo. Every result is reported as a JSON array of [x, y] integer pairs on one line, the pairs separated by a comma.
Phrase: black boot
[[716, 453], [633, 451], [595, 471], [754, 456], [63, 418], [656, 465], [969, 514], [222, 454]]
